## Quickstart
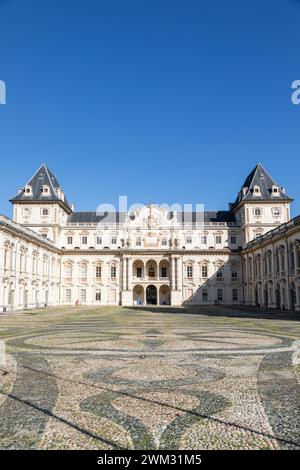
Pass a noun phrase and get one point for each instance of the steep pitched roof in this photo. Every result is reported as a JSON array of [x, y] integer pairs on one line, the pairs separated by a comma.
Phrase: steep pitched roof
[[42, 177], [93, 217], [259, 177]]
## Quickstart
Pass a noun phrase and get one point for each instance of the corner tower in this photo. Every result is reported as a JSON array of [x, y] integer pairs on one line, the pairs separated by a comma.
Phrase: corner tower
[[261, 205], [41, 204]]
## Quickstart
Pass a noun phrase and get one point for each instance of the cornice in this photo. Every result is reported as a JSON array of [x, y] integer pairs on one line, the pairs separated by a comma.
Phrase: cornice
[[141, 252], [31, 239], [42, 203]]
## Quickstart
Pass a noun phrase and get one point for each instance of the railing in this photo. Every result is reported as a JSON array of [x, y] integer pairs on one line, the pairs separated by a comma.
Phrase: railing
[[150, 279], [121, 226], [276, 231]]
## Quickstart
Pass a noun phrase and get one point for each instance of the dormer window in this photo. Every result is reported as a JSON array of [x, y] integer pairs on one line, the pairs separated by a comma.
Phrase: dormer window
[[45, 190], [28, 190], [60, 194], [275, 191], [256, 191]]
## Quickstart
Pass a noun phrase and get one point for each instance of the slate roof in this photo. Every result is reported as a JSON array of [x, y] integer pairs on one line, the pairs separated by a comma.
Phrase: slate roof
[[94, 217], [261, 178], [111, 217], [209, 216], [43, 176]]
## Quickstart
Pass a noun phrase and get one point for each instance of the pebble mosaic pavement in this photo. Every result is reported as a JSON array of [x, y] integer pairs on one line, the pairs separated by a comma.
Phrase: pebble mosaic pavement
[[160, 378]]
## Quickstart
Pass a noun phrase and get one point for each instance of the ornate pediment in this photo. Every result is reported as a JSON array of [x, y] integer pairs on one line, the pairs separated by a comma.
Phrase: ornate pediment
[[150, 217]]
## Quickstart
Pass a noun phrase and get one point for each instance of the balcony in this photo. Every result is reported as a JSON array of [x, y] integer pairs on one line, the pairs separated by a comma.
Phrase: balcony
[[149, 279]]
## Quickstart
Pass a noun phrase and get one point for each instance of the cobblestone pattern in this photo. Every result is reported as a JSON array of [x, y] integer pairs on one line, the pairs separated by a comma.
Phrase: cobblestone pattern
[[113, 378]]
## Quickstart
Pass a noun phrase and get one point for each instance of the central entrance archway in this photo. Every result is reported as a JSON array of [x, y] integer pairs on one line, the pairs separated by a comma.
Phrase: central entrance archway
[[151, 295]]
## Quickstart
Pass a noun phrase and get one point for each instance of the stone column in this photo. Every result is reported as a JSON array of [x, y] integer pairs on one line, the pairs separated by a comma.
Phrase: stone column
[[129, 274], [279, 259], [172, 273], [297, 306], [296, 258], [287, 276], [253, 299], [273, 304], [124, 266], [246, 281], [179, 274]]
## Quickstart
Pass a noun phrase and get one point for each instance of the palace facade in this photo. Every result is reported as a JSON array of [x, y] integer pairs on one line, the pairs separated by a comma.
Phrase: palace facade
[[52, 255]]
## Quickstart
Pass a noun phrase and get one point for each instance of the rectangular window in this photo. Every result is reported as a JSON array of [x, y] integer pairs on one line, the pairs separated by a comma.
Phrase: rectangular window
[[113, 272], [138, 272], [83, 296], [98, 272], [257, 212], [45, 212], [99, 241], [84, 240], [220, 295], [163, 272], [204, 271], [234, 275], [189, 271], [204, 240], [26, 212], [218, 240], [219, 275], [70, 240], [113, 240], [68, 294], [276, 211], [204, 295], [138, 242], [98, 295], [233, 240], [164, 242], [235, 295], [189, 240], [68, 271], [83, 271]]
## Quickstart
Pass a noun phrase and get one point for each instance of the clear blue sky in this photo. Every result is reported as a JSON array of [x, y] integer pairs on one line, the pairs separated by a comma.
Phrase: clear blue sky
[[162, 100]]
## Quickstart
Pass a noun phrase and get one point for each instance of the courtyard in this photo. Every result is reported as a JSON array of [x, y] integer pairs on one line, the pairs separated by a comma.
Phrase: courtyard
[[150, 378]]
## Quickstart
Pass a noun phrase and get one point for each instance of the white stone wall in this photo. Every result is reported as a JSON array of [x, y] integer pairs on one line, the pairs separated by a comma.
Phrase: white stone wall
[[29, 271], [272, 269], [111, 264], [255, 223]]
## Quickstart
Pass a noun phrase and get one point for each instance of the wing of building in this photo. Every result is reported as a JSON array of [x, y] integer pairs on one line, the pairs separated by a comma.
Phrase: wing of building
[[52, 255]]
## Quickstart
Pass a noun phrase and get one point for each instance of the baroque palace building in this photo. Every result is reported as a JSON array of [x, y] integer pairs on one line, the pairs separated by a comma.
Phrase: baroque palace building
[[52, 255]]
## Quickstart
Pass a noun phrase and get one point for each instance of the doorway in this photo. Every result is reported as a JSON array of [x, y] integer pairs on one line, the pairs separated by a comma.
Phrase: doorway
[[151, 295]]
